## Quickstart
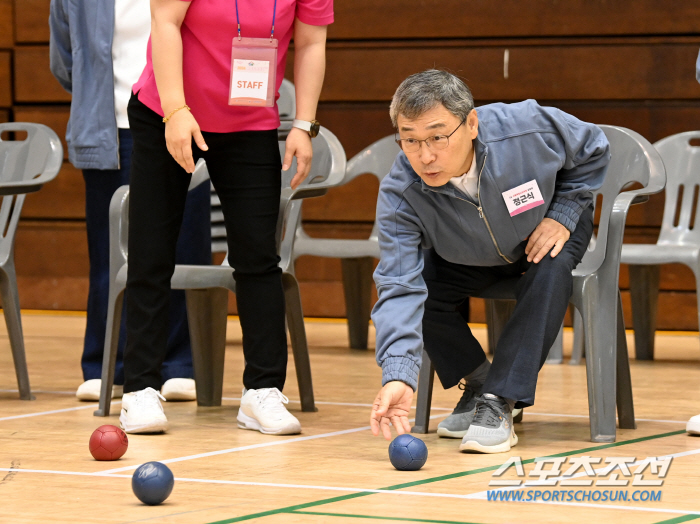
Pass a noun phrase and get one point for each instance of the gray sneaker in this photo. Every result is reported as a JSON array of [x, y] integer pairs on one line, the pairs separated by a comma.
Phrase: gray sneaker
[[457, 424], [491, 430]]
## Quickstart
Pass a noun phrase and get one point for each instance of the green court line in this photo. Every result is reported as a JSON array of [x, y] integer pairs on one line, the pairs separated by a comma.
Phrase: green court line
[[341, 498], [374, 517], [678, 520]]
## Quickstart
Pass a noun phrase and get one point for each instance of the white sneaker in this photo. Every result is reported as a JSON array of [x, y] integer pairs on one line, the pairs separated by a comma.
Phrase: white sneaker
[[90, 390], [179, 389], [142, 412], [693, 426], [263, 410]]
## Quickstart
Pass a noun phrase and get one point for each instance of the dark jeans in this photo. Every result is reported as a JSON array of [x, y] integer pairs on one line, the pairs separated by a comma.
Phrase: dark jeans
[[194, 247], [543, 293], [245, 168]]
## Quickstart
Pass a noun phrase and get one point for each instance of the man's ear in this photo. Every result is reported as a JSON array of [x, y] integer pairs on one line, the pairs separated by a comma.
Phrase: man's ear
[[472, 124]]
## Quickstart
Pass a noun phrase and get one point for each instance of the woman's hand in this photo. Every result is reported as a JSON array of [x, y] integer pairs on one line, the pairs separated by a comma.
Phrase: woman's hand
[[180, 129], [298, 145]]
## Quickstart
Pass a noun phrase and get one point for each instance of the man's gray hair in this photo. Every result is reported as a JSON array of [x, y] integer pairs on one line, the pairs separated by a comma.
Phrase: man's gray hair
[[422, 92]]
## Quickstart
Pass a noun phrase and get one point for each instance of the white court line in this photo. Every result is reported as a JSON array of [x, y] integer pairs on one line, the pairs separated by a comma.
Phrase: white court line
[[254, 446], [51, 412], [39, 391], [355, 490]]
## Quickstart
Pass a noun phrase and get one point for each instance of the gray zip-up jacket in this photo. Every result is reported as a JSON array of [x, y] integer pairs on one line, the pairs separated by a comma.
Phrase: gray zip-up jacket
[[516, 143], [81, 60]]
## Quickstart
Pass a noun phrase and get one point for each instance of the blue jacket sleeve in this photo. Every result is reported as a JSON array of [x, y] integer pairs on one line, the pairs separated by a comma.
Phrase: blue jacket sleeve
[[585, 153], [60, 49], [398, 313]]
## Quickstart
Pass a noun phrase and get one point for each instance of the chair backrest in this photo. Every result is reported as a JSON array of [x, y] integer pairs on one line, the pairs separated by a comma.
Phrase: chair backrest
[[682, 161], [633, 159], [376, 159], [328, 169], [25, 166]]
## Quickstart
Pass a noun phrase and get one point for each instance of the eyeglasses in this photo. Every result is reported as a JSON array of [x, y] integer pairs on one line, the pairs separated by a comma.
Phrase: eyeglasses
[[435, 143]]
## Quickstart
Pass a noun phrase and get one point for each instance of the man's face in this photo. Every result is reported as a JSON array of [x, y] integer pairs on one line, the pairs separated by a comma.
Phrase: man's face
[[436, 166]]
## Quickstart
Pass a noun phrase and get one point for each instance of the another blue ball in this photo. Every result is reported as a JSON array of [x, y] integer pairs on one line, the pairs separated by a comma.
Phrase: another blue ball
[[408, 453], [152, 483]]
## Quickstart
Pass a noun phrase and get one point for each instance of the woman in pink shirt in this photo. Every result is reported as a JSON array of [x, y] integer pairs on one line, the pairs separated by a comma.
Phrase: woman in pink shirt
[[180, 112]]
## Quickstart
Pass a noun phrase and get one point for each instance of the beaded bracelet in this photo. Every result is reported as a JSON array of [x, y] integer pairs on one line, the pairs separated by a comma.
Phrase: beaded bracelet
[[166, 118]]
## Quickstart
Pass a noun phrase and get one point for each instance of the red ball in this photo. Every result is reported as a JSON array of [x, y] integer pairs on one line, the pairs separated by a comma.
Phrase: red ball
[[108, 443]]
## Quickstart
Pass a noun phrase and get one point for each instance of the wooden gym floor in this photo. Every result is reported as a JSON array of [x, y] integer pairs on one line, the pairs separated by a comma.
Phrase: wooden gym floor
[[335, 471]]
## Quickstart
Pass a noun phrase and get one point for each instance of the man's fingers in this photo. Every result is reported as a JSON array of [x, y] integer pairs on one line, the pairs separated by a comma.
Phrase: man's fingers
[[546, 247], [386, 428], [374, 424], [558, 246], [534, 237], [398, 425]]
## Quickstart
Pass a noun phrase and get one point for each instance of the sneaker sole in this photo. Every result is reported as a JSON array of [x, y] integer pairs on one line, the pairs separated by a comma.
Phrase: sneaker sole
[[246, 422], [159, 427], [693, 429], [446, 433], [503, 447]]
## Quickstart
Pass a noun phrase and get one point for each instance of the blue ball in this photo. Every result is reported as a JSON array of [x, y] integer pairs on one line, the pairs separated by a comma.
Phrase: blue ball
[[408, 453], [152, 483]]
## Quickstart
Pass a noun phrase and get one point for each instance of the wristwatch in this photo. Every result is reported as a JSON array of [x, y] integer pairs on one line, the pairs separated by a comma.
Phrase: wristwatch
[[310, 127]]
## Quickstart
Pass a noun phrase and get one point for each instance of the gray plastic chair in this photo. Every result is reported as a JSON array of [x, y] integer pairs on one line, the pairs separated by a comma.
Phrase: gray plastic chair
[[25, 166], [678, 242], [357, 256], [206, 287], [595, 290]]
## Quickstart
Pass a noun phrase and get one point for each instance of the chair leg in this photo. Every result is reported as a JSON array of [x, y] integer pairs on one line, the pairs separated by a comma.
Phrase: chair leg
[[556, 352], [497, 314], [644, 290], [357, 284], [109, 358], [579, 350], [425, 395], [600, 320], [625, 401], [206, 317], [13, 320], [300, 348]]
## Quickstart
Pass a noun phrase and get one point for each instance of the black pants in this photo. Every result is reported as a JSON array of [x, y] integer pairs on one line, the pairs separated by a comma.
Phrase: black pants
[[245, 168], [543, 293]]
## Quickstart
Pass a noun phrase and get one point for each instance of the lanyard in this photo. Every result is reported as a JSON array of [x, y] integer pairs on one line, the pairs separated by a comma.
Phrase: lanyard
[[272, 31]]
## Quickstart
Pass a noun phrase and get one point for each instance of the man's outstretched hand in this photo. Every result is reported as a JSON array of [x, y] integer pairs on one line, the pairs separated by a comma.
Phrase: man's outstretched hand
[[391, 407]]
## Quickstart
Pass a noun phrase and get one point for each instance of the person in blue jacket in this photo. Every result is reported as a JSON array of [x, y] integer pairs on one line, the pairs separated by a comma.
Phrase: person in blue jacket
[[475, 197], [98, 51]]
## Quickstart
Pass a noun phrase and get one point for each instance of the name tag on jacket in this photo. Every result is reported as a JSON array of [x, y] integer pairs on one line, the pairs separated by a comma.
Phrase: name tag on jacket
[[524, 197]]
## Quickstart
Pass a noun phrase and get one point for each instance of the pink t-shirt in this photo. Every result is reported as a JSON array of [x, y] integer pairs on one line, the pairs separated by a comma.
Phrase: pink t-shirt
[[207, 32]]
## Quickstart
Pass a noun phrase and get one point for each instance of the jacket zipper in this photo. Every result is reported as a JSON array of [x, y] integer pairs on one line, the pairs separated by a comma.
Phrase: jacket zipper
[[482, 213]]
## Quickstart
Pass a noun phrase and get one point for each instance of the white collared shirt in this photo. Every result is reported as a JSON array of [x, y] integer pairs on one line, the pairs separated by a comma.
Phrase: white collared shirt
[[468, 182]]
